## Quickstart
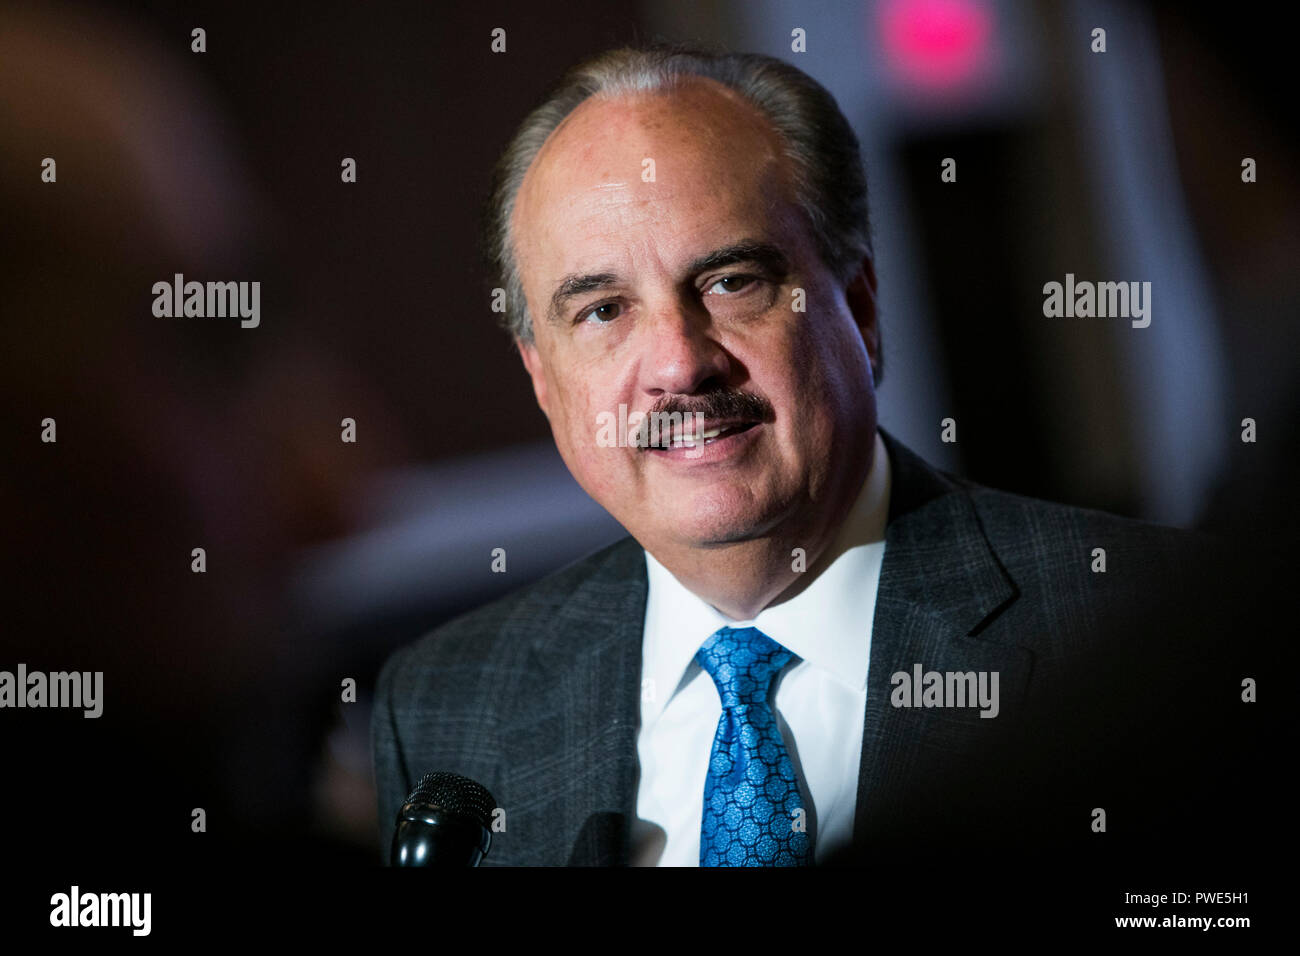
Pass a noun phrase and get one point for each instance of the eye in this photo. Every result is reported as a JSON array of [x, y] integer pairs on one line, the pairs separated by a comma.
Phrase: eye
[[729, 285], [604, 313]]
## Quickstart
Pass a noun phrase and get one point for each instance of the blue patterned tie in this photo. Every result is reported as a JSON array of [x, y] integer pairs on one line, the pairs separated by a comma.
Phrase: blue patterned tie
[[750, 794]]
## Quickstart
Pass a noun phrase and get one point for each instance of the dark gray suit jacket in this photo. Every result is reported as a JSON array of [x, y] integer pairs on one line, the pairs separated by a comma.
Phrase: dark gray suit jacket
[[536, 696]]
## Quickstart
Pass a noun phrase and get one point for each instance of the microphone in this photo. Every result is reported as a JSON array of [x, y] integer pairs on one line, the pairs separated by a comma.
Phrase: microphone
[[444, 822]]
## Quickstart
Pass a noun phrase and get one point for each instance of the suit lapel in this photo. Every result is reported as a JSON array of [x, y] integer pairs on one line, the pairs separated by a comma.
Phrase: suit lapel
[[940, 585], [571, 754]]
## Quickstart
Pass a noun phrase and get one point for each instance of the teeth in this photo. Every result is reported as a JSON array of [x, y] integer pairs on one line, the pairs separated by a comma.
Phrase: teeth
[[680, 441]]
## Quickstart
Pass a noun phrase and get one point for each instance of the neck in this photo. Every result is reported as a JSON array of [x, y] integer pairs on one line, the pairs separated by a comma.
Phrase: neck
[[741, 579]]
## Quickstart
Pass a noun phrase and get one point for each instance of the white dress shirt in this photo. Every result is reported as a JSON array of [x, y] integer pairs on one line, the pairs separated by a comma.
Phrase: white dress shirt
[[820, 701]]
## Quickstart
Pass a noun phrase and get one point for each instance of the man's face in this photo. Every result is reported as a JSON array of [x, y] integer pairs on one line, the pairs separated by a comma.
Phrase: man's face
[[679, 294]]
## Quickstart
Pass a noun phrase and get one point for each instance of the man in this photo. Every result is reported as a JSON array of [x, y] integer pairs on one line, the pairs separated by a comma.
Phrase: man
[[747, 679]]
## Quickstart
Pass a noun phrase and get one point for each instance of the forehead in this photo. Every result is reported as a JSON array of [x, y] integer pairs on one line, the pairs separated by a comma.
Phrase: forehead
[[717, 162]]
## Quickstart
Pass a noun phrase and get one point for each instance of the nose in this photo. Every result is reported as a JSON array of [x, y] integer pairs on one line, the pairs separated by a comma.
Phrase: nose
[[682, 352]]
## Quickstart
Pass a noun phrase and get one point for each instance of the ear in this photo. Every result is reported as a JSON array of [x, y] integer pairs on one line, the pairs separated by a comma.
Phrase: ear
[[860, 294], [533, 363]]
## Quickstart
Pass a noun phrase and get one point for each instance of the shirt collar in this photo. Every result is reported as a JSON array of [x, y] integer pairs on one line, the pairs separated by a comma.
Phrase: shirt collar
[[828, 623]]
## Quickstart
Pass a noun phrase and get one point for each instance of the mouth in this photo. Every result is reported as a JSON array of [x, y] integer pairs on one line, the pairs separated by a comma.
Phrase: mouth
[[712, 432]]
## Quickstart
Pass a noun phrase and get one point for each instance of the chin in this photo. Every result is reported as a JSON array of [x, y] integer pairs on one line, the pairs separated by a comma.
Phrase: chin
[[723, 527]]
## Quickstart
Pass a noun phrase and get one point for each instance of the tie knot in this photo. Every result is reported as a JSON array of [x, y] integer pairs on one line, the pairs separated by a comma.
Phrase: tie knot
[[742, 664]]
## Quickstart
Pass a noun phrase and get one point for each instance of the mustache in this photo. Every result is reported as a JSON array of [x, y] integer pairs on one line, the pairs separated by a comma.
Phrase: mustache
[[719, 404]]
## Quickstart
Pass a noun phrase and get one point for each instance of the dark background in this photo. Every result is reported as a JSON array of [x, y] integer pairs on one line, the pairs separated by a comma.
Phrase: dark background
[[222, 689]]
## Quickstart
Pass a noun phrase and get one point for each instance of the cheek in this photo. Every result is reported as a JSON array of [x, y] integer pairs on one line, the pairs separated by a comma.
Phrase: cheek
[[812, 357], [587, 398], [822, 379], [576, 425]]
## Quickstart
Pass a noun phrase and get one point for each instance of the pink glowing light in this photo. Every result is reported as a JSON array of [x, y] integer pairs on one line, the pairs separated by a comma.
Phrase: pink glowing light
[[936, 44]]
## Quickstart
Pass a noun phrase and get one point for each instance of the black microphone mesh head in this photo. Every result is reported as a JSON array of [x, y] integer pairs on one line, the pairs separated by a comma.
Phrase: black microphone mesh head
[[455, 794]]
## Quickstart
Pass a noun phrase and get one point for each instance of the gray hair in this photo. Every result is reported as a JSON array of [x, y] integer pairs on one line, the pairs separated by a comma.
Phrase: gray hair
[[829, 179]]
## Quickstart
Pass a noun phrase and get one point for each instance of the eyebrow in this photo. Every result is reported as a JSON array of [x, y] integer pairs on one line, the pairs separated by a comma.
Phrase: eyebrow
[[764, 254]]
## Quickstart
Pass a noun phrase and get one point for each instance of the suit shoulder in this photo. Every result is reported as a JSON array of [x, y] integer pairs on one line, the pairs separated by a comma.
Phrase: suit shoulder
[[1026, 530], [1048, 536], [505, 626]]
